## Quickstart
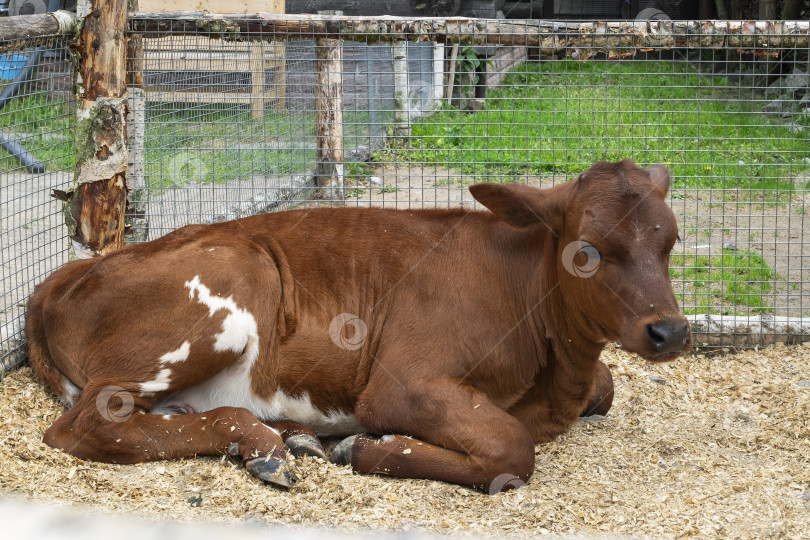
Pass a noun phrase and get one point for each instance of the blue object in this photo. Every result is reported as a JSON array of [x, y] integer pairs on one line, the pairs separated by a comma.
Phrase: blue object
[[10, 65]]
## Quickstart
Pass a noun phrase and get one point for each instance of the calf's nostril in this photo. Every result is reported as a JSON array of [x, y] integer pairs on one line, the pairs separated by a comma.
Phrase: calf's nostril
[[668, 336], [656, 337]]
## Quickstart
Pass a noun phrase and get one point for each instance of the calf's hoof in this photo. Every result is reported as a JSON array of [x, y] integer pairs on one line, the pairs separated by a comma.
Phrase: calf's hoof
[[342, 454], [306, 445], [271, 469]]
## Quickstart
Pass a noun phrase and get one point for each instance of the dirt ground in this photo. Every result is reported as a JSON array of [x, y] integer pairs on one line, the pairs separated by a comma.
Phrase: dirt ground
[[705, 446]]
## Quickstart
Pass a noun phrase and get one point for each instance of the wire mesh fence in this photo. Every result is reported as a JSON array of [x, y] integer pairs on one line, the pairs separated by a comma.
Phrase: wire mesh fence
[[37, 116], [225, 125]]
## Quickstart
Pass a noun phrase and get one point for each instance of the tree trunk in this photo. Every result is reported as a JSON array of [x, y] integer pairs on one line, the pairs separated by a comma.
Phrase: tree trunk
[[97, 206]]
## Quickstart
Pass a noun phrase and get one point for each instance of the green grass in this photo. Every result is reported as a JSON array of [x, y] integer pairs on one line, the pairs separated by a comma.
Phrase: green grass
[[218, 143], [735, 282], [43, 126], [559, 117]]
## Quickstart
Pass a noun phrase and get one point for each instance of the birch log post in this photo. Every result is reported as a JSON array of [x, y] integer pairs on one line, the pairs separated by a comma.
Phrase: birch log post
[[402, 106], [24, 31], [329, 111], [437, 95], [97, 205]]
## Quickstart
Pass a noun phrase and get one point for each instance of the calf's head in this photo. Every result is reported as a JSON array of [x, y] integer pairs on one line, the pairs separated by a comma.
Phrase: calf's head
[[609, 233]]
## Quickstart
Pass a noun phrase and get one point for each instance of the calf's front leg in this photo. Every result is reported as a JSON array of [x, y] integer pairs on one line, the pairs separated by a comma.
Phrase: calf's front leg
[[110, 423], [454, 434], [549, 409]]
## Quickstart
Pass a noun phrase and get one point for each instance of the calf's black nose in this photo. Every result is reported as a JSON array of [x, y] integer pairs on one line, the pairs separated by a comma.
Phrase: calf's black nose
[[668, 336]]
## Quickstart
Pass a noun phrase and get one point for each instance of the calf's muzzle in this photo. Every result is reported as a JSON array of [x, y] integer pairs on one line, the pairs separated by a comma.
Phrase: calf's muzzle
[[669, 335]]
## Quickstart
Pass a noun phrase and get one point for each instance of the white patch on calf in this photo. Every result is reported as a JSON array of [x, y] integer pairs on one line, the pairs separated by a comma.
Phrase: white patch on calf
[[180, 355], [158, 384], [163, 377], [239, 327], [231, 388]]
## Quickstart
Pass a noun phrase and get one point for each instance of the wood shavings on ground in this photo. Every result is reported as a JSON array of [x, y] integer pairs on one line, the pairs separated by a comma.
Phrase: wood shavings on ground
[[706, 445]]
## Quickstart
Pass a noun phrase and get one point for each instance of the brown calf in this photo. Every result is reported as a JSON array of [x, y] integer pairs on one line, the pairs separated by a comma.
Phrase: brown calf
[[445, 344]]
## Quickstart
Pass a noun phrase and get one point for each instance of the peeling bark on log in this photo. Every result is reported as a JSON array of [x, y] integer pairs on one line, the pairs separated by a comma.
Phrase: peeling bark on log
[[618, 37], [25, 31], [97, 206], [136, 228], [103, 50]]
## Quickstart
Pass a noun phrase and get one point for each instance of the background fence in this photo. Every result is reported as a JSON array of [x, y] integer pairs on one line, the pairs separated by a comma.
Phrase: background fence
[[37, 117], [225, 124]]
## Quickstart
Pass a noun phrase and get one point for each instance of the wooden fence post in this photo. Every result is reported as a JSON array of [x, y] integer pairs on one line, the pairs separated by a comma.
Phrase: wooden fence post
[[96, 207], [329, 106], [402, 106]]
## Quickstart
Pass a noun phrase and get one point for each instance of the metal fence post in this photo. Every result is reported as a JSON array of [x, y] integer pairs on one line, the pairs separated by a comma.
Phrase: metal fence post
[[96, 207], [329, 106]]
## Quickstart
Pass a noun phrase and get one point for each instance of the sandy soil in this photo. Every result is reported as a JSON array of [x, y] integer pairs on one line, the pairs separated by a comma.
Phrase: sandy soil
[[708, 446]]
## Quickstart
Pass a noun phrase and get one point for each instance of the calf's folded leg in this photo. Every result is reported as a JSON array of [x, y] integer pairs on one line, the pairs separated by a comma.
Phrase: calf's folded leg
[[601, 398], [458, 435], [109, 422]]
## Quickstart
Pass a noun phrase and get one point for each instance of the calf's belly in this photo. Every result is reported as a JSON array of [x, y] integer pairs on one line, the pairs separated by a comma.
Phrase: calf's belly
[[231, 387]]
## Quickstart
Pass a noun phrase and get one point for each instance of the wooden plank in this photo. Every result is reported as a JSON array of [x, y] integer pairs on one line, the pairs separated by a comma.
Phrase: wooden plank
[[613, 37], [352, 7], [257, 82], [213, 6], [207, 96]]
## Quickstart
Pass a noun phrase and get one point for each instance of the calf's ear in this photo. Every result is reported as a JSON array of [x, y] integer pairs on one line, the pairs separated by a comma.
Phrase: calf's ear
[[518, 205], [659, 176]]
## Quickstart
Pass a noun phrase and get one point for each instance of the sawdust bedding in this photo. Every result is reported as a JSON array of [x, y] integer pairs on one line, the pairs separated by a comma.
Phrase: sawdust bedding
[[707, 445]]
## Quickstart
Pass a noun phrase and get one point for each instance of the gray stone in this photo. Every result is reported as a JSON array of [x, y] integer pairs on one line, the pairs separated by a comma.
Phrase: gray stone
[[780, 105], [798, 81]]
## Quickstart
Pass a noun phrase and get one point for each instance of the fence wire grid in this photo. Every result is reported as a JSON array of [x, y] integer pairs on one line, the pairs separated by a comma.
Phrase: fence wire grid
[[221, 129], [37, 117]]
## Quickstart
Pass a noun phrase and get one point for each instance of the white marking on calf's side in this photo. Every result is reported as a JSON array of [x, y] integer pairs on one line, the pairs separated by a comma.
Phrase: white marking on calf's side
[[239, 327], [231, 388], [163, 377], [180, 355], [159, 383]]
